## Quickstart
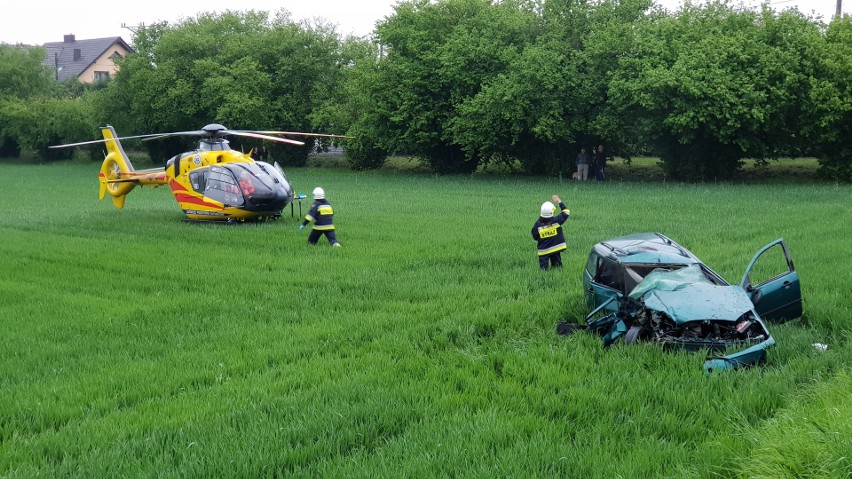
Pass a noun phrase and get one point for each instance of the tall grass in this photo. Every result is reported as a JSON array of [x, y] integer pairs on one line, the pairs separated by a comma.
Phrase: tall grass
[[135, 344]]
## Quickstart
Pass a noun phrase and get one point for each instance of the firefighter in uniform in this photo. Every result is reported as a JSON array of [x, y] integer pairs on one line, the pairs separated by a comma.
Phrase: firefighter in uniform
[[322, 215], [547, 230]]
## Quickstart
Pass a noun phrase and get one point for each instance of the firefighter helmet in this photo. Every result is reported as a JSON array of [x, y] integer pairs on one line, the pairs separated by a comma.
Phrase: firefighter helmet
[[319, 193], [547, 209]]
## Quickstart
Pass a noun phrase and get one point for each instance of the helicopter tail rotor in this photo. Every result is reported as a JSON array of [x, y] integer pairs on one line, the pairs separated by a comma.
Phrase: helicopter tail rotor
[[114, 166], [118, 177], [112, 179]]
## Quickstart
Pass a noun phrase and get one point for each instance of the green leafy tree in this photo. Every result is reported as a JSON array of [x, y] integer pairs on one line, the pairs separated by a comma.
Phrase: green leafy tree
[[351, 106], [13, 118], [544, 106], [438, 55], [22, 77], [240, 69], [609, 35], [522, 115], [468, 82], [304, 64], [22, 74], [712, 85], [830, 103], [48, 121]]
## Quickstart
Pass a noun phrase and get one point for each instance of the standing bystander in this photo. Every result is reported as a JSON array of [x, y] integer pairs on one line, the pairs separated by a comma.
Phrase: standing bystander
[[599, 159], [583, 160]]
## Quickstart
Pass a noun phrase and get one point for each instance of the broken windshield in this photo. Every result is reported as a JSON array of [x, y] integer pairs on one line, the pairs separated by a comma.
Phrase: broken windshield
[[688, 294], [669, 280]]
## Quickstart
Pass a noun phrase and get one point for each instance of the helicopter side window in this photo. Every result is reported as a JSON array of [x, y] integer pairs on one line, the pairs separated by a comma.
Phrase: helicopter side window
[[198, 179], [223, 187], [172, 160]]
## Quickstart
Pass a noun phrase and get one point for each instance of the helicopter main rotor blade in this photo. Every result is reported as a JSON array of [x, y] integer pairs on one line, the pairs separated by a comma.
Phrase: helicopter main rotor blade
[[297, 133], [69, 145], [219, 132], [104, 140], [177, 133], [265, 137]]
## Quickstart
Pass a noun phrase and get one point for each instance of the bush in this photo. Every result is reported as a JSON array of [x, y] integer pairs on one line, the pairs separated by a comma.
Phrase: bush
[[836, 167], [9, 148], [40, 123], [363, 153], [700, 161]]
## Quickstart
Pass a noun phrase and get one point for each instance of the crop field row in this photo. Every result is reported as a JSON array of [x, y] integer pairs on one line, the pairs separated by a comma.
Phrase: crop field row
[[137, 344]]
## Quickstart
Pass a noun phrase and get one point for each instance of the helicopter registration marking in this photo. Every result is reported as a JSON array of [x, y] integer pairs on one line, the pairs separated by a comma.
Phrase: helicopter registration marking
[[325, 210], [548, 232], [203, 213]]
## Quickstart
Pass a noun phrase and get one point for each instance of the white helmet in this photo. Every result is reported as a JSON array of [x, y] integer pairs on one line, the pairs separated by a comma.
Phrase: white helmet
[[319, 193], [547, 209]]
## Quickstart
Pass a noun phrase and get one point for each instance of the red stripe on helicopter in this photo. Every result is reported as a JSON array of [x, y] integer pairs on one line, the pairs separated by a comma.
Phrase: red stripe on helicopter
[[175, 186], [182, 196]]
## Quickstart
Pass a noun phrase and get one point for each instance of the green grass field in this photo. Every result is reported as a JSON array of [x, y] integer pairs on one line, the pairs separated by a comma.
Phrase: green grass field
[[135, 344]]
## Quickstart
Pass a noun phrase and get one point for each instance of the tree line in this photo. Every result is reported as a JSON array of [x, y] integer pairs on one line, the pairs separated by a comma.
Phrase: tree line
[[466, 83]]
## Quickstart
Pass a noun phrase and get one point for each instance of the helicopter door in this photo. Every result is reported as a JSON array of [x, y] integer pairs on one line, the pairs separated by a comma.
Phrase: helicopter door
[[221, 186], [198, 179]]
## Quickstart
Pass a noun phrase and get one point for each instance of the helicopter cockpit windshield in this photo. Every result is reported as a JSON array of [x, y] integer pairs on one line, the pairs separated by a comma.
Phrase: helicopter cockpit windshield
[[256, 186], [218, 183]]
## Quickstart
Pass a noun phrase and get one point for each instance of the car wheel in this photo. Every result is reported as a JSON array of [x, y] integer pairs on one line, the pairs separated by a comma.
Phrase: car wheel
[[636, 334]]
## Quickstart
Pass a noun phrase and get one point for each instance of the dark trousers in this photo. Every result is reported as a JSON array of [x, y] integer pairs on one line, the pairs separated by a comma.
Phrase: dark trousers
[[315, 236], [599, 174], [555, 260]]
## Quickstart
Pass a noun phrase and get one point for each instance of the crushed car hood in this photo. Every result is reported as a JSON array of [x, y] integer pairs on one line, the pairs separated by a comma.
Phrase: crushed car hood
[[687, 295]]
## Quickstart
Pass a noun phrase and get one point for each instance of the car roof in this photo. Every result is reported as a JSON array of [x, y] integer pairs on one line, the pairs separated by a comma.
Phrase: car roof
[[645, 248]]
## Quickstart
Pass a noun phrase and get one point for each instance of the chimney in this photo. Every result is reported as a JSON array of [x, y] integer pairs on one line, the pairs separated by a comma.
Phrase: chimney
[[78, 54], [68, 38]]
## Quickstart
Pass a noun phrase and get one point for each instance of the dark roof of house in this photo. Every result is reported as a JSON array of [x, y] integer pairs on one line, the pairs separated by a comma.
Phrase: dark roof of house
[[60, 55]]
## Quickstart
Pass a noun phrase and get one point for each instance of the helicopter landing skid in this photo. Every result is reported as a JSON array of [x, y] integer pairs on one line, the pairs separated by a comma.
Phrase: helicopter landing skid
[[207, 222]]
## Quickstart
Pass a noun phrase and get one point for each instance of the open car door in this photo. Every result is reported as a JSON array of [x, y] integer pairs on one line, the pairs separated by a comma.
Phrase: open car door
[[773, 283]]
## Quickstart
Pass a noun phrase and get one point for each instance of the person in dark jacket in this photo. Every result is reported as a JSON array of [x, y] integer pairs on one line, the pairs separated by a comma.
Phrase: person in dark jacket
[[599, 160], [547, 231], [322, 214]]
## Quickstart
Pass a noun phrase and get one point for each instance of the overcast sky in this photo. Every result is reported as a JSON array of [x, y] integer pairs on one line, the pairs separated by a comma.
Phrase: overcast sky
[[40, 21]]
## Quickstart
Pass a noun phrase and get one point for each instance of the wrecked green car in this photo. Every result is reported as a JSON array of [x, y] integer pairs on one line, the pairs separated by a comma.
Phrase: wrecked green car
[[646, 287]]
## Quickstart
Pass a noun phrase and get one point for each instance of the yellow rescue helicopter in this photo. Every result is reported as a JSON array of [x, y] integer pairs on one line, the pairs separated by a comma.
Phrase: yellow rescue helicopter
[[211, 183]]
